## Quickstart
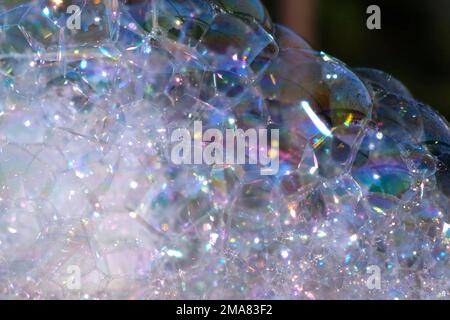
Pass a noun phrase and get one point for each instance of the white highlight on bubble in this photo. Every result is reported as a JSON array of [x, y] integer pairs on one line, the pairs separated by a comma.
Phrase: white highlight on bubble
[[315, 119]]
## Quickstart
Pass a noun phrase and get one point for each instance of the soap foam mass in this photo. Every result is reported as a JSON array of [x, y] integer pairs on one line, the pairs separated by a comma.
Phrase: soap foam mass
[[86, 178]]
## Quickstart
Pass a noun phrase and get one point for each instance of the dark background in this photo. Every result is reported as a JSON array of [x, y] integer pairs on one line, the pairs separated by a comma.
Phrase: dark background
[[413, 44]]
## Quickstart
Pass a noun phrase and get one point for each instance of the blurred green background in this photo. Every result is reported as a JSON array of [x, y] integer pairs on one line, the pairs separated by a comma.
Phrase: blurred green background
[[413, 44]]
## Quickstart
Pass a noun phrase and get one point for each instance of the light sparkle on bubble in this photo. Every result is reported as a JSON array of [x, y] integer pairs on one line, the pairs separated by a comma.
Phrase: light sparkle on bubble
[[134, 185], [46, 11], [174, 253], [315, 119]]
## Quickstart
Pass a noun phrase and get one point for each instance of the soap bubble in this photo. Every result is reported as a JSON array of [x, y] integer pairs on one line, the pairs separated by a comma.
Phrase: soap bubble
[[86, 177]]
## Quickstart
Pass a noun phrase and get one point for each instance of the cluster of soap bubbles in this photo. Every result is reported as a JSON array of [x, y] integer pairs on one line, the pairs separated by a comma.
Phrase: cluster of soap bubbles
[[92, 207]]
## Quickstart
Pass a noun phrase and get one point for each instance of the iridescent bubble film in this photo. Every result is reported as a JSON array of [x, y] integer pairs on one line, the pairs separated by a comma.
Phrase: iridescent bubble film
[[92, 207]]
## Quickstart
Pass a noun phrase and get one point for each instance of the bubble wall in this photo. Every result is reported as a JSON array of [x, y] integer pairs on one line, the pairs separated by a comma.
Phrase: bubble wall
[[92, 207]]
